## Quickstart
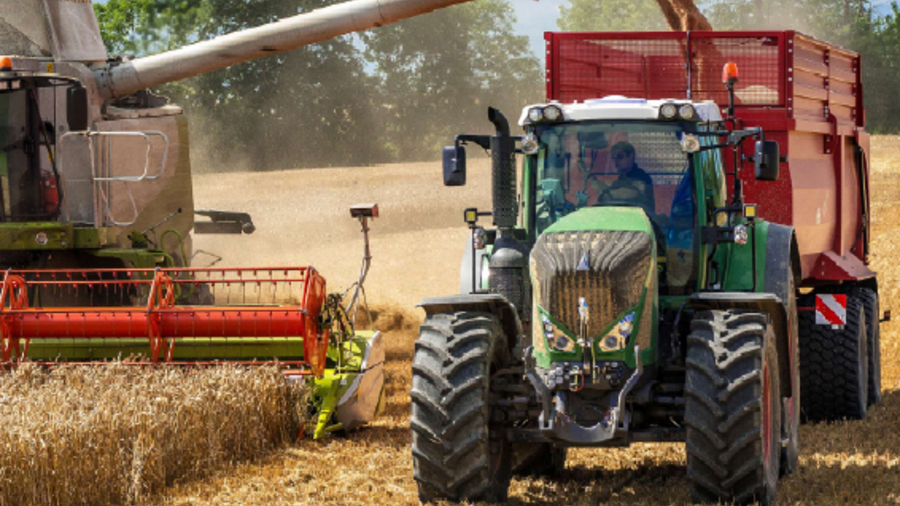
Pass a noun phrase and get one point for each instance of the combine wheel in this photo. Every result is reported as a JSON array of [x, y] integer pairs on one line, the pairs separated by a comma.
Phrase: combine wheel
[[455, 454], [733, 408], [834, 366], [540, 459], [869, 300]]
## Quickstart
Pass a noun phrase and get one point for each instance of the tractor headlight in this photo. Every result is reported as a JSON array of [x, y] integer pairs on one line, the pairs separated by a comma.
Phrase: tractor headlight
[[741, 236], [535, 114], [687, 112], [530, 145], [668, 111], [617, 338], [557, 340], [478, 238], [690, 143], [552, 113]]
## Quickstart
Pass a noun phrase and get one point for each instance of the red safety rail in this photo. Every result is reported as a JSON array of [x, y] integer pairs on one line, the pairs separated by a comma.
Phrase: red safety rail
[[141, 303]]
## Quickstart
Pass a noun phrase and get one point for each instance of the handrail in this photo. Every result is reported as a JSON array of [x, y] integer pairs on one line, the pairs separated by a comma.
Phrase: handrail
[[95, 178]]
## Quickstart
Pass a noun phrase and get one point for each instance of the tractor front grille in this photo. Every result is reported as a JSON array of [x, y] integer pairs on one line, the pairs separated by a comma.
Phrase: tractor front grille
[[608, 268]]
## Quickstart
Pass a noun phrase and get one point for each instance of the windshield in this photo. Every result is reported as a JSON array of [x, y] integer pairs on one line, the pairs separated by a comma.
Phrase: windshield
[[638, 164]]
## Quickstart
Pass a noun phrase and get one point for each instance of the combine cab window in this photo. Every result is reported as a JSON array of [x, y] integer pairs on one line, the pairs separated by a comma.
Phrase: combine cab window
[[636, 164]]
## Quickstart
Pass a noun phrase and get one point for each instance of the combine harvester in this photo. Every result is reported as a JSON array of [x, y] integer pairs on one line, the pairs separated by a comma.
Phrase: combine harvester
[[96, 214], [690, 262]]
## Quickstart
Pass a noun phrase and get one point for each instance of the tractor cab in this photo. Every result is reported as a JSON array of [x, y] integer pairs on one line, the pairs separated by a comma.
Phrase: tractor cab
[[620, 152]]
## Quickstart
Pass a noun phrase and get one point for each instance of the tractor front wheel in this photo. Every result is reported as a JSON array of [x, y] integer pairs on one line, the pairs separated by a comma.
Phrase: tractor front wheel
[[456, 454], [732, 408]]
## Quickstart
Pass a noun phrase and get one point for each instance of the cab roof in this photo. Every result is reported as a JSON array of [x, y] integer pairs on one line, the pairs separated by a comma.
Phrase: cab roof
[[617, 107]]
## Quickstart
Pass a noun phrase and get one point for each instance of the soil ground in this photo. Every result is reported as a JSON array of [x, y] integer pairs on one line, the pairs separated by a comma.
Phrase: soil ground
[[303, 218]]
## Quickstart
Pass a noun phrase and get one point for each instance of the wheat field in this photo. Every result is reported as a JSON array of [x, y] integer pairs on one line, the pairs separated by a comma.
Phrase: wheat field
[[117, 434]]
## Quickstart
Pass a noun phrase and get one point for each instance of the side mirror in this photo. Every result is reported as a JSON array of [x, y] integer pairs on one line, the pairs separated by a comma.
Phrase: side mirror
[[767, 158], [77, 109], [454, 166]]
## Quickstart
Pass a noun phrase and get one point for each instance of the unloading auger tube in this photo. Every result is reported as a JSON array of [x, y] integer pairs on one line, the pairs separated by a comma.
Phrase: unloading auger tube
[[283, 35]]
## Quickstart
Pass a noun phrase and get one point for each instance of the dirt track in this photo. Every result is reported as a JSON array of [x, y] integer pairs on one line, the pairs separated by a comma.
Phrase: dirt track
[[302, 218]]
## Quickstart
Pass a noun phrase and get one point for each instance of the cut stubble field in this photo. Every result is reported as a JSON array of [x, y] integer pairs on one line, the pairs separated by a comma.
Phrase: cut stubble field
[[303, 218]]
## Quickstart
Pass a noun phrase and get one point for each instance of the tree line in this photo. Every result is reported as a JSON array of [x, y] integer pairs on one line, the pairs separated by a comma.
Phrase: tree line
[[396, 93], [400, 92], [857, 25]]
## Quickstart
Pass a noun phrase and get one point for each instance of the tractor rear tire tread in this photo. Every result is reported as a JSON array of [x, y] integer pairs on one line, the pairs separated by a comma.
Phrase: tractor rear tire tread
[[724, 391], [454, 455], [833, 366]]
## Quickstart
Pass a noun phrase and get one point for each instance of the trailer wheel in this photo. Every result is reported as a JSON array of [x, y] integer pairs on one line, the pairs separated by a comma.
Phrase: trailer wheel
[[873, 340], [732, 408], [834, 366], [456, 456], [541, 459]]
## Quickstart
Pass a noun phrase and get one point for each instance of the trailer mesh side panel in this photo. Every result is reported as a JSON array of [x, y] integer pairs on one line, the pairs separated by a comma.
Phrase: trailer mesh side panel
[[757, 59], [593, 68], [655, 66]]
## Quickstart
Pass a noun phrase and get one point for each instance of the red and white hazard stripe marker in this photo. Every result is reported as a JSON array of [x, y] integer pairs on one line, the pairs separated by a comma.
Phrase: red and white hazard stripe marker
[[831, 310]]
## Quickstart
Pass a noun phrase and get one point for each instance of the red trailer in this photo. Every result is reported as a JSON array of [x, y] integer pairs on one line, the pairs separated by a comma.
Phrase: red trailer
[[806, 94]]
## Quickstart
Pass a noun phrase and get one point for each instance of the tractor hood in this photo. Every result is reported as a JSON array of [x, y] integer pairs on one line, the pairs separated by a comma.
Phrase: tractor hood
[[607, 256]]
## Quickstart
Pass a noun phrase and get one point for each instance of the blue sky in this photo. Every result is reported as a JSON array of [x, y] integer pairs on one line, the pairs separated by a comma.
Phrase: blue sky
[[536, 17]]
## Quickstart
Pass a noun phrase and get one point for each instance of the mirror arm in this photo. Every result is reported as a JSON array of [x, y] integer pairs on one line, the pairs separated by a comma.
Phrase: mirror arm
[[484, 141]]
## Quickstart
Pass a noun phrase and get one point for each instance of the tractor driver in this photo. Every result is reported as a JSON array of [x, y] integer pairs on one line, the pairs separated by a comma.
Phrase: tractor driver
[[633, 184]]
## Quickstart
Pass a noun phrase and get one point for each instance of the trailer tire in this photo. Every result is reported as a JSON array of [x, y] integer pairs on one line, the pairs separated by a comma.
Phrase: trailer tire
[[733, 408], [869, 299], [455, 454], [833, 366], [540, 459]]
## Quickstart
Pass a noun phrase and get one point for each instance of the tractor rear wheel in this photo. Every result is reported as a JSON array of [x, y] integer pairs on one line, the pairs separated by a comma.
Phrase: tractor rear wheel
[[834, 365], [870, 303], [456, 454], [733, 407]]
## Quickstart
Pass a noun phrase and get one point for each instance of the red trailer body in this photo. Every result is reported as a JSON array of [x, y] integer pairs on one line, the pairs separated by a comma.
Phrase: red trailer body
[[806, 94]]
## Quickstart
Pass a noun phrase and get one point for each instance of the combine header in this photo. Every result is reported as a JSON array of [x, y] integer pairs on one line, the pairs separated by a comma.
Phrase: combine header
[[257, 313]]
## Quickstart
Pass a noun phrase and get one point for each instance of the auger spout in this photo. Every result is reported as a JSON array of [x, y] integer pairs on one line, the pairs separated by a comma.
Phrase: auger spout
[[283, 35]]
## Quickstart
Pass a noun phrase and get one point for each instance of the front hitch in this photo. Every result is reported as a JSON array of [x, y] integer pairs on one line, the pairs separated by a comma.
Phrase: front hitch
[[555, 423]]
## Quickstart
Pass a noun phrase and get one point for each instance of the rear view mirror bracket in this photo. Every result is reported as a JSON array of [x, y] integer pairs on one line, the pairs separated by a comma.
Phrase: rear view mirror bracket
[[454, 158]]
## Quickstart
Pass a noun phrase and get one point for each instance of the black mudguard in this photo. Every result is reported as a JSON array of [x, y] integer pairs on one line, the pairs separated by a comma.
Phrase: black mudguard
[[487, 302]]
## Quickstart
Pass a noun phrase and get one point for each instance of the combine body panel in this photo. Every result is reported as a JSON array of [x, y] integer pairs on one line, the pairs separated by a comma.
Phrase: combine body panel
[[806, 94]]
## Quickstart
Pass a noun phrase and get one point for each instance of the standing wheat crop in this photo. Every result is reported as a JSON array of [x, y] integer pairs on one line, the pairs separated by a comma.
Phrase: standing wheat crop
[[116, 434]]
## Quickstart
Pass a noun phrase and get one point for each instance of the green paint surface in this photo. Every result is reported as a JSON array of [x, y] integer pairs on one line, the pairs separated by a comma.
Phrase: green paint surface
[[610, 218]]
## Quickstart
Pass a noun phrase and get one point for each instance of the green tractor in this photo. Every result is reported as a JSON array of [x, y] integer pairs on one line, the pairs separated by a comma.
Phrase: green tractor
[[636, 300]]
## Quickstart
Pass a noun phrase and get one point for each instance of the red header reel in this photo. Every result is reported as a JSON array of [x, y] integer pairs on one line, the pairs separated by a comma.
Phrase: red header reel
[[182, 315]]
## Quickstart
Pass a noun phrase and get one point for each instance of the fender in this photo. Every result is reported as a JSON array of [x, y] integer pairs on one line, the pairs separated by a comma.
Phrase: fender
[[782, 263], [492, 303]]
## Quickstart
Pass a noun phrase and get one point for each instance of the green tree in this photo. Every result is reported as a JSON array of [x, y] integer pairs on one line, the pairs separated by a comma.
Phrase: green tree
[[439, 73], [305, 108], [611, 16]]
